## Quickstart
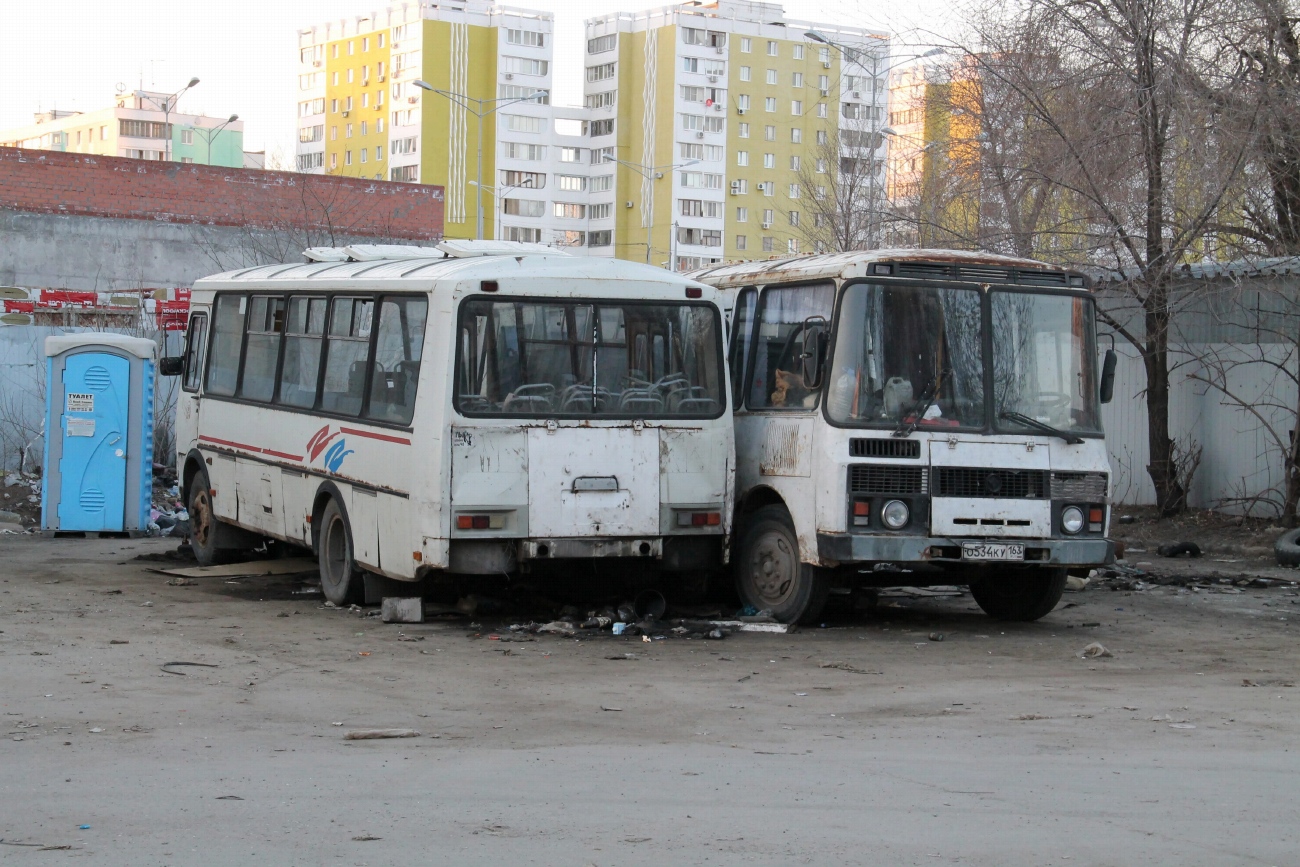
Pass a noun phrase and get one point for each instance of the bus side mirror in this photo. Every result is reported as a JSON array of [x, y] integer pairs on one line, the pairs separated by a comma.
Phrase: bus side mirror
[[1108, 376], [814, 352], [171, 365]]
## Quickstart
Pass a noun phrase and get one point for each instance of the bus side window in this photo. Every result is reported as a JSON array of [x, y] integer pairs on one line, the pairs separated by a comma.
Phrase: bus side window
[[196, 345], [399, 345], [776, 381], [262, 352], [346, 355], [742, 337], [227, 341], [304, 334]]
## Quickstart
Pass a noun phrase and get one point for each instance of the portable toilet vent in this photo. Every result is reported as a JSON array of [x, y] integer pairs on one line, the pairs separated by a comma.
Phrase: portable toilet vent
[[99, 434]]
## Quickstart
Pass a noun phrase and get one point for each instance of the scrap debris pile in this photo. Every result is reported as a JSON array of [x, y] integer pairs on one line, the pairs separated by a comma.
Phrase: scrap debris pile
[[20, 508]]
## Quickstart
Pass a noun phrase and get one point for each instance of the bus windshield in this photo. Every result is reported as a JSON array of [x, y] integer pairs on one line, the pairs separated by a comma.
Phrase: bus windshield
[[908, 355], [1043, 364], [589, 359]]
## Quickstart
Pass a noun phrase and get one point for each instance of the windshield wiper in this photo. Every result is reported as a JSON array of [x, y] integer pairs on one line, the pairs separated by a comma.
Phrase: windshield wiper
[[1046, 428], [920, 408]]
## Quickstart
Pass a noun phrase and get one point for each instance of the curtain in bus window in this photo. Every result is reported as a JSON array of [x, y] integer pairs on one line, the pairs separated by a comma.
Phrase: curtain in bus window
[[588, 359], [304, 334], [399, 344], [963, 330], [227, 339], [346, 354], [265, 324], [742, 338], [776, 381]]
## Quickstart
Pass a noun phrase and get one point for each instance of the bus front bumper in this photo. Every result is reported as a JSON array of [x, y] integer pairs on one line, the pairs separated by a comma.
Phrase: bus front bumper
[[849, 548]]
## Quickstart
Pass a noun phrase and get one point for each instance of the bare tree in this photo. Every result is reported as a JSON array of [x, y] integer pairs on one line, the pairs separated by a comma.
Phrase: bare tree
[[841, 191], [1120, 139]]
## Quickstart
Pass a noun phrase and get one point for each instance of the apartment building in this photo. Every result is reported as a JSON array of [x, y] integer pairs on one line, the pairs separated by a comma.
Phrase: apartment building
[[518, 172], [723, 121], [136, 126], [702, 134]]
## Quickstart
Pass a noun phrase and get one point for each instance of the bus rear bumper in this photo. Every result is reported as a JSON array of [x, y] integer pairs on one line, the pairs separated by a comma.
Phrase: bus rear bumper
[[846, 549]]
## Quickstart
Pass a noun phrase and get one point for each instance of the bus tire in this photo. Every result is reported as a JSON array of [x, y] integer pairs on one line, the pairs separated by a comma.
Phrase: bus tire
[[1023, 596], [205, 529], [340, 579], [769, 574]]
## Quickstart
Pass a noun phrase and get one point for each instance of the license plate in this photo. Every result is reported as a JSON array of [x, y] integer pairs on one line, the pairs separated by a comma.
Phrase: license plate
[[1000, 551]]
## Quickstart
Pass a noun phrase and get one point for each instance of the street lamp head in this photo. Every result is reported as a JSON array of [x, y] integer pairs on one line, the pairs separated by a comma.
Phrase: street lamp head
[[232, 118], [140, 94], [932, 52], [889, 130], [422, 84], [817, 37], [193, 81], [687, 163], [609, 158]]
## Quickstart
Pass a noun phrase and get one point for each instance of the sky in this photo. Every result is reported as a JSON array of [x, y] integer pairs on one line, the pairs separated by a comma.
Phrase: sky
[[74, 54]]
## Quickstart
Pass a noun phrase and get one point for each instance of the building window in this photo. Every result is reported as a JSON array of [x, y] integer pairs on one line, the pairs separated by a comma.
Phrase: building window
[[796, 107], [351, 75], [531, 38], [599, 155], [689, 64], [742, 215], [347, 158], [741, 186], [365, 128], [570, 238], [570, 155], [142, 129], [347, 104], [522, 233], [768, 217], [769, 161], [771, 48], [687, 151], [798, 54], [602, 127], [519, 151], [745, 73], [404, 174], [602, 238], [746, 44], [334, 79], [103, 133], [571, 183], [334, 161], [602, 183], [794, 191], [701, 181], [699, 237], [794, 218], [820, 194], [824, 54], [822, 138], [699, 208], [769, 133], [520, 91], [821, 109], [523, 207], [531, 180], [364, 153], [821, 166], [742, 158], [187, 159], [601, 100], [769, 244], [742, 102], [352, 47], [314, 160], [379, 152], [771, 76], [742, 130], [741, 240], [380, 43], [520, 123], [525, 65], [796, 135], [567, 211], [348, 133], [795, 162], [792, 245], [599, 212], [601, 44], [365, 100], [796, 80], [187, 136], [312, 133], [769, 103]]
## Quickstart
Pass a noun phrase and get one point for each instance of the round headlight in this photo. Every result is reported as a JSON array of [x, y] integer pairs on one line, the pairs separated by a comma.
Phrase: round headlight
[[895, 514], [1072, 519]]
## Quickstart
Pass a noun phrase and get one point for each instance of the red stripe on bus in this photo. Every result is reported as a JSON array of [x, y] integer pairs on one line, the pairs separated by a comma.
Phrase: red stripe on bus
[[375, 436], [284, 455], [234, 445]]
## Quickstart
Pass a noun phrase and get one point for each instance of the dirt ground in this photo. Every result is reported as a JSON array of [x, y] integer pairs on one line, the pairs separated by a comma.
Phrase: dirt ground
[[866, 742]]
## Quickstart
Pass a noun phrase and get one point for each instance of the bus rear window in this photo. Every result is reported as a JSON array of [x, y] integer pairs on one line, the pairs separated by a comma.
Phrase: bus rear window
[[588, 359]]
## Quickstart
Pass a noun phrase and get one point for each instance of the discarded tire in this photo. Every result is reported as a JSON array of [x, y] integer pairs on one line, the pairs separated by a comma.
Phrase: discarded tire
[[1287, 548]]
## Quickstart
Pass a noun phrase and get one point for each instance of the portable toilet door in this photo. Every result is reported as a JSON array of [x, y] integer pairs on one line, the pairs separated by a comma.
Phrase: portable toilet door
[[99, 442]]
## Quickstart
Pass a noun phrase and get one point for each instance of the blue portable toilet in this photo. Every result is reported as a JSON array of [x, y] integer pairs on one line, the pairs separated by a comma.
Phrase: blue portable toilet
[[98, 434]]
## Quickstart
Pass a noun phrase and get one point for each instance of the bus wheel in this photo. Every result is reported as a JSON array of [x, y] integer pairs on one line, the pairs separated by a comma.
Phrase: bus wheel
[[340, 579], [203, 523], [769, 573], [1024, 595]]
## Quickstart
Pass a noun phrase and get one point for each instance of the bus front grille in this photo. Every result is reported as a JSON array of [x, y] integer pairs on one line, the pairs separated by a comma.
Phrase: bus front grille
[[990, 482], [886, 479], [1082, 487]]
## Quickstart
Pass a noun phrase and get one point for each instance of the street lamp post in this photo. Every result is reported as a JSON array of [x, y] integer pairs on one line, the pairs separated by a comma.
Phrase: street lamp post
[[852, 55], [464, 102], [167, 104], [499, 193], [209, 135], [651, 173]]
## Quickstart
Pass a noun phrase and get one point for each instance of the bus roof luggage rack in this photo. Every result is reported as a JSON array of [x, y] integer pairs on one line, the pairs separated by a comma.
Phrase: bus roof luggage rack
[[371, 253]]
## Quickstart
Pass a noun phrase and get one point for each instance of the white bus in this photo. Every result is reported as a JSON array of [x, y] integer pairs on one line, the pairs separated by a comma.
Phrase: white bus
[[924, 411], [473, 409]]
